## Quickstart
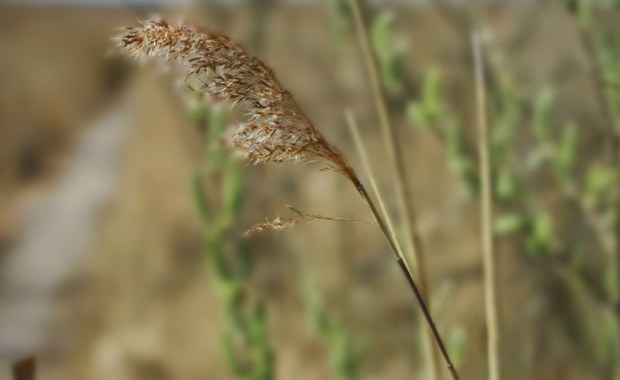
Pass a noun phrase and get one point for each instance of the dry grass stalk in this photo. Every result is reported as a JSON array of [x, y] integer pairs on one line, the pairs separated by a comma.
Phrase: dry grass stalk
[[488, 254], [363, 153], [403, 190], [277, 130], [281, 224]]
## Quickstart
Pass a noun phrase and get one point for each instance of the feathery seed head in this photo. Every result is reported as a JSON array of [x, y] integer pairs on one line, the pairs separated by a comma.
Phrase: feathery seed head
[[276, 129]]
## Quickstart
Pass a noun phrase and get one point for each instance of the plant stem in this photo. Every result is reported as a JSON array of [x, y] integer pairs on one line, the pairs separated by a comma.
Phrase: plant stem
[[389, 138], [394, 246], [486, 208], [402, 188]]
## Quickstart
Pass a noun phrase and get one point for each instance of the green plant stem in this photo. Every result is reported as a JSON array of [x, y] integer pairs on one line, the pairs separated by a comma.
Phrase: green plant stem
[[394, 246], [486, 195]]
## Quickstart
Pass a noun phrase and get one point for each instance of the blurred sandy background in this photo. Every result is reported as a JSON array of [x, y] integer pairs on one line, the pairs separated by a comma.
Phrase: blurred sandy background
[[103, 271]]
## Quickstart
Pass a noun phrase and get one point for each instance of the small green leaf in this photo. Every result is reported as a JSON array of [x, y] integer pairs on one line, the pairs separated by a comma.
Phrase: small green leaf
[[457, 342], [416, 115], [197, 111], [231, 354], [389, 50], [600, 180], [460, 161], [233, 187], [584, 14], [245, 263], [564, 155], [258, 327], [506, 185], [200, 199], [540, 238], [508, 223], [541, 122], [431, 95]]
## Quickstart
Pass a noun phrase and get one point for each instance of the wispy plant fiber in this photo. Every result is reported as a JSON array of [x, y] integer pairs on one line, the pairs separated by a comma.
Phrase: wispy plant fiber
[[276, 129]]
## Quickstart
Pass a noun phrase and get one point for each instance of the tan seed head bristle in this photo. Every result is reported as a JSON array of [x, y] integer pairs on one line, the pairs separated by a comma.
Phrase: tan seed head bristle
[[281, 224], [276, 129]]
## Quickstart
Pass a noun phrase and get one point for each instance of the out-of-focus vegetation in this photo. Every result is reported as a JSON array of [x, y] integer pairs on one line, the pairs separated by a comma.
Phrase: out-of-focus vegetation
[[167, 287]]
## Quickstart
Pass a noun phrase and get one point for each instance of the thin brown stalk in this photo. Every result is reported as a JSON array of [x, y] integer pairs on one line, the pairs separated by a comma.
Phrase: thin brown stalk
[[363, 153], [388, 231], [389, 138], [486, 208], [403, 190], [415, 288]]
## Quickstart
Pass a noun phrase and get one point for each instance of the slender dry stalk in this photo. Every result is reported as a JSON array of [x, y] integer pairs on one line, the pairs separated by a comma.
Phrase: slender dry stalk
[[389, 138], [363, 153], [277, 130], [486, 208], [403, 190]]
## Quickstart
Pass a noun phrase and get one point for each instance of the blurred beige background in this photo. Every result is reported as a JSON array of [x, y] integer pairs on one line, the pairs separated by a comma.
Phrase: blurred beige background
[[103, 271]]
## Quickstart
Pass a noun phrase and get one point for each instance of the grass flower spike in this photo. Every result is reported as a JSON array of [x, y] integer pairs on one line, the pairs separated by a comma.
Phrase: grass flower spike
[[276, 129]]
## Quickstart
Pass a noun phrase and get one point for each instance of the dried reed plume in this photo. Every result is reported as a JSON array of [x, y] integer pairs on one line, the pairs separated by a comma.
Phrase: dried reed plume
[[281, 224], [276, 129]]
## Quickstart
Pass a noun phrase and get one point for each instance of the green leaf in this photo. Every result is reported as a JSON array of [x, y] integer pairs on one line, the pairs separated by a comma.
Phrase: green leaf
[[506, 185], [564, 155], [342, 355], [197, 111], [231, 354], [457, 342], [540, 238], [339, 17], [584, 14], [233, 189], [541, 122], [508, 223], [415, 114], [460, 162], [431, 95], [389, 50], [600, 180], [200, 199], [245, 262], [218, 259], [258, 326]]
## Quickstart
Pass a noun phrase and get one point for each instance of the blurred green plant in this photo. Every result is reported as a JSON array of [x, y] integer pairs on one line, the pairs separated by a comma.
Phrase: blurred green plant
[[245, 339], [339, 12], [390, 51], [457, 341], [526, 148], [345, 354], [431, 112]]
